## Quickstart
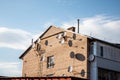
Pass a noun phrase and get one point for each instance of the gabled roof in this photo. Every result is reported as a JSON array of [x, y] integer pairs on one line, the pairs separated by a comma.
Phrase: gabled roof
[[24, 53], [89, 37], [29, 48]]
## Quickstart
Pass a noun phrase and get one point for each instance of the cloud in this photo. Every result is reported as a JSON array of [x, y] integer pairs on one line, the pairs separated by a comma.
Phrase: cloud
[[99, 26], [10, 69], [14, 38]]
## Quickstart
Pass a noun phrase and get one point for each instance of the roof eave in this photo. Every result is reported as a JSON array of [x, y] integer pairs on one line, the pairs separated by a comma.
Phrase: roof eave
[[24, 53]]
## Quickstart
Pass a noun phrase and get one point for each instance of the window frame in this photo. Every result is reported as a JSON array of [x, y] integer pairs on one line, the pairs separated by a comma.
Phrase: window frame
[[50, 61]]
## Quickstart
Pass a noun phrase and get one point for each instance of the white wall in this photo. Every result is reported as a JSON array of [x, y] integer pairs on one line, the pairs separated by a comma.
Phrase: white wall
[[110, 59]]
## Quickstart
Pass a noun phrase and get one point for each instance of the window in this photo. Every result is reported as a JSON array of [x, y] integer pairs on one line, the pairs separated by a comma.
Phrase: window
[[101, 51], [104, 74], [50, 62]]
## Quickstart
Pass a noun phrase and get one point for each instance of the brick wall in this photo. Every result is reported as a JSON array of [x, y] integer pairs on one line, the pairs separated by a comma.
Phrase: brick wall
[[61, 52]]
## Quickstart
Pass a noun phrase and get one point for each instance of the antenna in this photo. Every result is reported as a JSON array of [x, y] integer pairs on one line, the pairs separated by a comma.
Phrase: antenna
[[32, 41], [38, 41], [33, 44], [78, 24]]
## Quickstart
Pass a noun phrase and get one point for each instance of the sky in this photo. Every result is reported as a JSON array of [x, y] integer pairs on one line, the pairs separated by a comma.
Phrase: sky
[[23, 20]]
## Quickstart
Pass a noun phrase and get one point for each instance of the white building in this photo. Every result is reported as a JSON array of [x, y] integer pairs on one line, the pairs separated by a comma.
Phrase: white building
[[104, 61]]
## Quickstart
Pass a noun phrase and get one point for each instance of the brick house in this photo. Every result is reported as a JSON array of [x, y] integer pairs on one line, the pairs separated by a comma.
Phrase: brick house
[[59, 52]]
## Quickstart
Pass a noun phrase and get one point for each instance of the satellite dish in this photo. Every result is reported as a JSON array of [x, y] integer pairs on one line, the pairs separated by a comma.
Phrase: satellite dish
[[63, 75], [64, 34], [46, 42], [80, 39], [80, 57], [74, 36], [59, 36], [70, 69], [62, 41], [82, 72], [42, 58], [72, 54], [91, 57], [70, 43], [38, 41]]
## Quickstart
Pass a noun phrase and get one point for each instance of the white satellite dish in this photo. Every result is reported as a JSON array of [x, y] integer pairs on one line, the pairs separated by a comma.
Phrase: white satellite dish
[[38, 41], [63, 75], [59, 36], [64, 33], [70, 69], [42, 58], [91, 57], [62, 41]]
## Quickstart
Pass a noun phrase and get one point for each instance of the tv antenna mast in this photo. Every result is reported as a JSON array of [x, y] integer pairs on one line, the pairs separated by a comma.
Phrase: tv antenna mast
[[78, 24]]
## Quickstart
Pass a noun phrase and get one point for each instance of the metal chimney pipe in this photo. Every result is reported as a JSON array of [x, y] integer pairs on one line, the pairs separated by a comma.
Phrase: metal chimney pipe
[[78, 24]]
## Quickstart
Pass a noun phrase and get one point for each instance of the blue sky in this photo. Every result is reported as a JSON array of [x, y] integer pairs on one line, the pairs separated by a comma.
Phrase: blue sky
[[22, 20]]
